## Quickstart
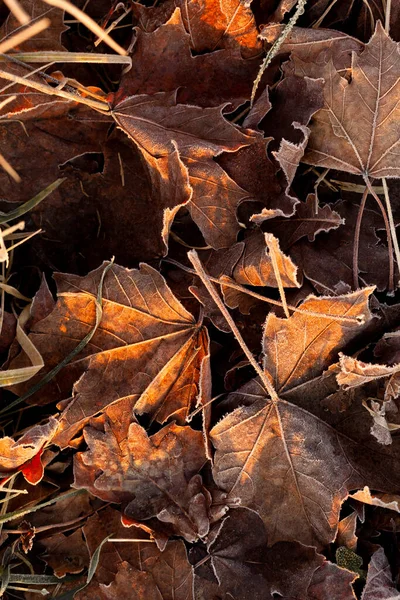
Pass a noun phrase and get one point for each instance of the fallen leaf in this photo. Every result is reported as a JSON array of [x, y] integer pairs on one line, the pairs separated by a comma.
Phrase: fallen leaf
[[152, 476], [270, 457], [17, 455], [301, 347], [148, 349], [308, 221], [379, 584], [336, 250], [346, 535], [159, 575], [65, 554], [356, 131], [163, 62], [156, 123], [254, 266]]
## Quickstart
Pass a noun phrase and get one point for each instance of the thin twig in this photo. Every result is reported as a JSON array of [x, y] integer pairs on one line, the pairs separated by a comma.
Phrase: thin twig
[[240, 288], [388, 234], [113, 25], [272, 244], [24, 35], [387, 15], [87, 22], [46, 89], [391, 223], [194, 259], [273, 51], [19, 13], [356, 244]]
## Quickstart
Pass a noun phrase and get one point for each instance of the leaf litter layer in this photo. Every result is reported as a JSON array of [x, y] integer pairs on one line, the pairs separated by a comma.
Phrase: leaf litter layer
[[199, 303]]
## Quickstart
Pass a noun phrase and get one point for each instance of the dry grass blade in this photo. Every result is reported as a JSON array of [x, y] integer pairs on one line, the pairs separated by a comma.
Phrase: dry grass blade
[[46, 89], [24, 35], [9, 169], [49, 376], [273, 247], [27, 206], [276, 45], [69, 57], [19, 13], [226, 281], [88, 22], [14, 376]]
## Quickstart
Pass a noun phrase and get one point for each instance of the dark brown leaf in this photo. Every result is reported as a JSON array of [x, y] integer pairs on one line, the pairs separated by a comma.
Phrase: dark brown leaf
[[153, 476]]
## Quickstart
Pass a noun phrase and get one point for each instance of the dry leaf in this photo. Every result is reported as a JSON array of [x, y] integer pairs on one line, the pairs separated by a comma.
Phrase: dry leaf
[[379, 584], [152, 476], [357, 130], [300, 348]]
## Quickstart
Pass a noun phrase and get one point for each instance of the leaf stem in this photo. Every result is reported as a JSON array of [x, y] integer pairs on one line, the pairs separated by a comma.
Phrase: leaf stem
[[392, 224], [240, 288], [388, 234], [356, 245], [194, 259]]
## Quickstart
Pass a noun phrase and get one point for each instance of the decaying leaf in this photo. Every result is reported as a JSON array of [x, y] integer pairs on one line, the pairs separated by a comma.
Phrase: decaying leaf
[[24, 454], [379, 585], [152, 476]]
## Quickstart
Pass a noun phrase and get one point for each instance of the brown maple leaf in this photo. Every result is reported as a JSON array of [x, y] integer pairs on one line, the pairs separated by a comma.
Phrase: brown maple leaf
[[271, 456], [157, 124], [148, 349], [301, 347], [357, 130], [158, 575], [291, 570], [152, 476], [163, 62]]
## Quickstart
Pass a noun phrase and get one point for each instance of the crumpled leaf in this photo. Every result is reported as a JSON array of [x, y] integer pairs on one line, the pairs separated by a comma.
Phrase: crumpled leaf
[[153, 476], [158, 575], [379, 584], [337, 140], [148, 348], [155, 123], [354, 372], [24, 454], [308, 220], [388, 501]]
